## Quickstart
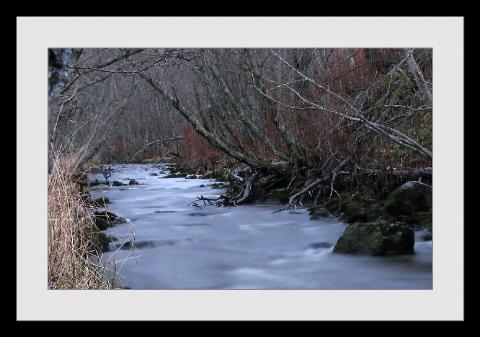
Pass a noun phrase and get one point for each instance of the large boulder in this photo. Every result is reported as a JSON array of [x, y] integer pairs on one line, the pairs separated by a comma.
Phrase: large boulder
[[379, 238], [411, 204], [409, 198]]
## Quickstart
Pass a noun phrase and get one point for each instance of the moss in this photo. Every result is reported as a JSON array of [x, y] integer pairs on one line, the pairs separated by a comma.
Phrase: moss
[[100, 241], [318, 212], [105, 219], [380, 238], [353, 208], [333, 206], [409, 198], [219, 172], [218, 186], [421, 219], [353, 211]]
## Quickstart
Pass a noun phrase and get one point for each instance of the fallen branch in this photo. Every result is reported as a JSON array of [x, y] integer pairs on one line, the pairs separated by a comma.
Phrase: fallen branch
[[310, 187], [219, 202], [247, 189], [410, 174]]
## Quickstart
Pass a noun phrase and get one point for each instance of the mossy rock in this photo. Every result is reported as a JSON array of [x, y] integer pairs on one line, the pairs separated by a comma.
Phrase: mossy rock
[[100, 202], [218, 186], [319, 245], [360, 210], [381, 238], [104, 220], [333, 206], [353, 211], [318, 212], [100, 241], [417, 220], [409, 198]]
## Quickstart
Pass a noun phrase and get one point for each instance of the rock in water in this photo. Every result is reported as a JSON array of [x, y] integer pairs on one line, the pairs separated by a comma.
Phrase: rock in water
[[117, 183], [133, 182], [105, 219], [318, 212], [409, 198], [101, 202], [318, 245], [376, 239], [102, 241]]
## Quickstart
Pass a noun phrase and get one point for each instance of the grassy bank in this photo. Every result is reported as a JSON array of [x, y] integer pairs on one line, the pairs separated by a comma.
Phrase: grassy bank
[[73, 240]]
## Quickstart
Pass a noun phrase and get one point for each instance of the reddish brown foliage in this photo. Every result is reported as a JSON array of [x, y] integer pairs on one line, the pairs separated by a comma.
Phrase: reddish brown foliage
[[196, 152]]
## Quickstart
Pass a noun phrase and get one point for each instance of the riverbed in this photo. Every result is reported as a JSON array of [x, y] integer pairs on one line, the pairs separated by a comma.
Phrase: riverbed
[[179, 246]]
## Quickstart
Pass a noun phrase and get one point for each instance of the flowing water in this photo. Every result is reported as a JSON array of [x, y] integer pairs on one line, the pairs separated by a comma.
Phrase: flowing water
[[179, 246]]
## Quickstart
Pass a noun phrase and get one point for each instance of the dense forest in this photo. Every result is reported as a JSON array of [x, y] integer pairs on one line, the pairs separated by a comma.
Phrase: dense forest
[[343, 132]]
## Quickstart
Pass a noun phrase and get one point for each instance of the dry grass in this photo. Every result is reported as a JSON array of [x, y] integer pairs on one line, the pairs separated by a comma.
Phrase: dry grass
[[72, 259]]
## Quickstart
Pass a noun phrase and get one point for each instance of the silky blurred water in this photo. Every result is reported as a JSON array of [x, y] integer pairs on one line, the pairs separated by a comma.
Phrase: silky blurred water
[[179, 246]]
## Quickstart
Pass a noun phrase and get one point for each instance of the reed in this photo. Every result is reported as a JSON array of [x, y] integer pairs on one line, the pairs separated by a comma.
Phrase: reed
[[73, 256]]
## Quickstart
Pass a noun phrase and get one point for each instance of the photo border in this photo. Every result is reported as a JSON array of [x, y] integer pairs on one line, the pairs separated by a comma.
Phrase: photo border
[[444, 34]]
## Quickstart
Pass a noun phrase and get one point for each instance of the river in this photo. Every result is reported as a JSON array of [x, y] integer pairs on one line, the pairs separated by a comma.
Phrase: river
[[179, 246]]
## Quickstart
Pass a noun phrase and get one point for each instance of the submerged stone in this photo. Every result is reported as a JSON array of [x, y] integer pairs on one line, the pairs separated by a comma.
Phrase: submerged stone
[[193, 224], [143, 244], [133, 182], [218, 185], [198, 214], [318, 245]]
